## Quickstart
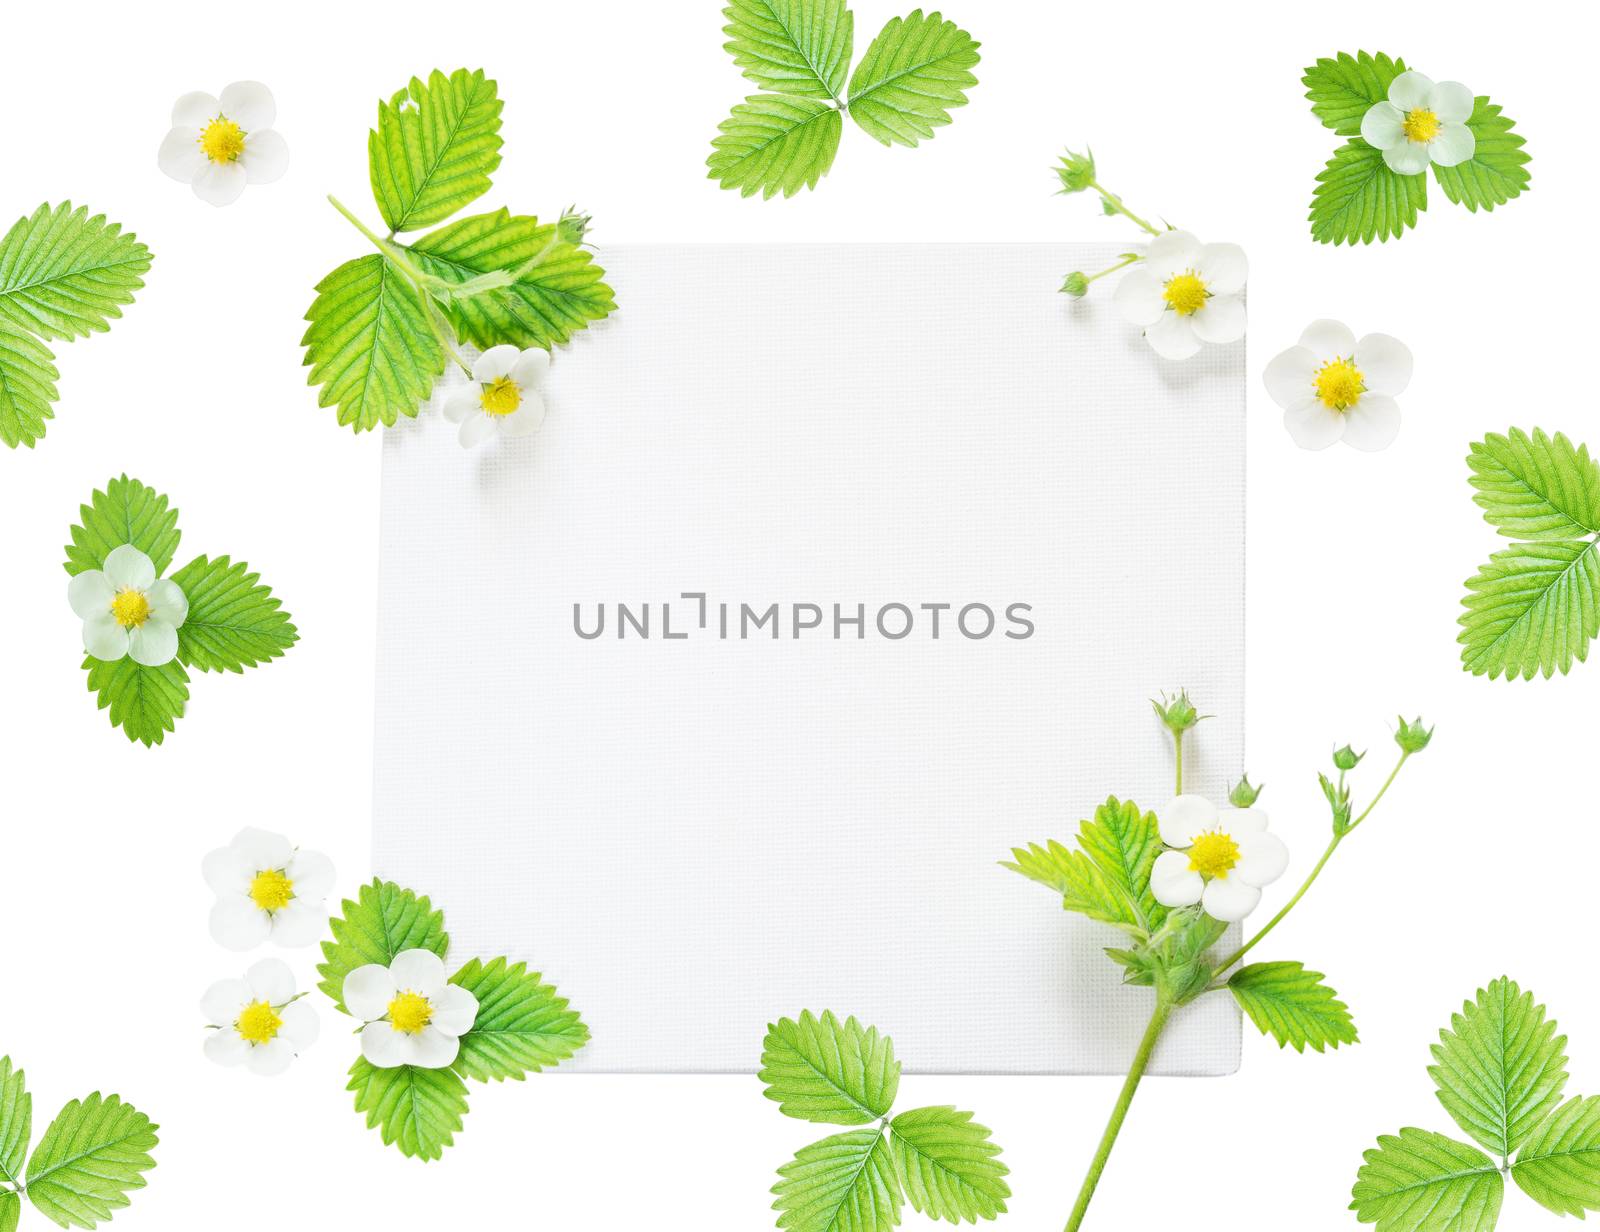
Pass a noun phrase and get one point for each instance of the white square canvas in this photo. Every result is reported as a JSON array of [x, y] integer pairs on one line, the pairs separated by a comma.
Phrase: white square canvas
[[694, 834]]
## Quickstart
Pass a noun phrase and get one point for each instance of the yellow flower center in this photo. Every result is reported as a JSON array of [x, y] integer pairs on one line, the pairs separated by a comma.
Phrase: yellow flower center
[[130, 608], [258, 1023], [1214, 854], [501, 396], [1339, 384], [222, 141], [1186, 294], [271, 890], [410, 1012], [1420, 125]]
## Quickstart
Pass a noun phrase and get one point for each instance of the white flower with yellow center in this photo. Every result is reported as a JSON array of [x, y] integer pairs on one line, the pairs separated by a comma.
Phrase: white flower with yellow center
[[1226, 857], [414, 1015], [267, 890], [503, 396], [1334, 388], [218, 145], [126, 610], [1420, 123], [258, 1021], [1185, 293]]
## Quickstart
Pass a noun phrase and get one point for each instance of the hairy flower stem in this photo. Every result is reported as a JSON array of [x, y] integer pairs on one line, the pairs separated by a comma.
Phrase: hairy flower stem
[[1114, 203], [1119, 1113], [1112, 269]]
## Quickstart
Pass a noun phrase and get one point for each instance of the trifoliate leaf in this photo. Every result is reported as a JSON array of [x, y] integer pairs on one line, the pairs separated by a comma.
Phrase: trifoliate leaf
[[434, 148], [92, 1154], [1497, 170], [1108, 877], [369, 345], [144, 701], [799, 47], [821, 1069], [523, 1024], [383, 921], [16, 1122], [1292, 1005], [1536, 487], [846, 1183], [65, 275], [1425, 1182], [948, 1165], [27, 386], [1359, 198], [10, 1210], [775, 143], [1559, 1166], [1499, 1067], [914, 72], [234, 622], [126, 512], [1343, 89], [1532, 608], [557, 288], [418, 1110]]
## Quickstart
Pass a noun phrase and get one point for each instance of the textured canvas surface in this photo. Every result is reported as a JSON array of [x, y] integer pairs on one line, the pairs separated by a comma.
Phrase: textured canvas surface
[[694, 835]]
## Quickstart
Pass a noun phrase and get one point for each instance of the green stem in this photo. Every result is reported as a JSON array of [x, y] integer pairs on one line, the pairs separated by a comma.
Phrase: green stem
[[1404, 757], [1115, 202], [1177, 757], [1287, 907], [1119, 1113], [1122, 264]]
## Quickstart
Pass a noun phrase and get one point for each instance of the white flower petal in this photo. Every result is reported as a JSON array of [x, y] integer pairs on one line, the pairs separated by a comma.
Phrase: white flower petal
[[180, 155], [129, 568], [531, 368], [270, 980], [1454, 144], [226, 1047], [385, 1047], [1183, 817], [1410, 90], [1383, 126], [1262, 859], [195, 111], [1291, 376], [1138, 297], [526, 419], [1407, 158], [90, 594], [1229, 899], [1171, 253], [270, 1059], [312, 874], [104, 638], [237, 924], [168, 602], [1223, 268], [476, 429], [262, 848], [495, 363], [1385, 363], [1372, 423], [1238, 821], [462, 404], [432, 1048], [1173, 882], [219, 183], [227, 872], [153, 643], [368, 990], [1221, 321], [1450, 100], [419, 971], [301, 1026], [223, 1001], [1173, 337], [1328, 340], [1312, 425], [299, 922], [454, 1010], [249, 104], [265, 157]]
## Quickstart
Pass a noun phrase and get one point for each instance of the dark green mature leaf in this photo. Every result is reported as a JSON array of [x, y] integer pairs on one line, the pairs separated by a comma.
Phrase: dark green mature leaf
[[522, 1024], [774, 143], [383, 921], [126, 512], [1536, 487], [16, 1121], [1559, 1166], [434, 148], [418, 1110], [1343, 89], [948, 1166], [1425, 1182], [1497, 170], [1292, 1005], [558, 288], [1532, 608], [1359, 198], [1108, 877], [234, 622], [913, 74], [1500, 1066], [91, 1156], [846, 1183], [799, 47], [27, 386], [65, 275], [821, 1069], [146, 702]]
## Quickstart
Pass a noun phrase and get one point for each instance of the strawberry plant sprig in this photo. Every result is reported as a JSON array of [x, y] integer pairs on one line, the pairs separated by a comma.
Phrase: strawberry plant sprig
[[1172, 882]]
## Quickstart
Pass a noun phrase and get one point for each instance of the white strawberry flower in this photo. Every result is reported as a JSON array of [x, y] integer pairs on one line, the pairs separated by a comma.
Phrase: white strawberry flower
[[1421, 122], [1185, 294], [1223, 857], [127, 611], [413, 1014], [267, 890], [1334, 388], [258, 1021], [503, 396], [218, 145]]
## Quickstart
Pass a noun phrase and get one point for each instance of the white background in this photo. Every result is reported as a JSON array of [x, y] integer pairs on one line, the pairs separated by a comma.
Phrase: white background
[[1479, 865]]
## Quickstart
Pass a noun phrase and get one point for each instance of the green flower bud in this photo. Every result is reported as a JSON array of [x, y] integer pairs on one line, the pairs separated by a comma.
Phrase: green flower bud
[[1076, 171], [1178, 713], [1411, 737], [1245, 793], [1346, 758], [1076, 285], [573, 225]]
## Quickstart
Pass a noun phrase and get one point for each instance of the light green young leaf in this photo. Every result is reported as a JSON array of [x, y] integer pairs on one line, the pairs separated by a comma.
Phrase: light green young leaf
[[915, 71], [65, 275], [1536, 487], [91, 1156], [418, 1110], [16, 1122], [948, 1166], [846, 1183], [799, 47], [434, 148], [369, 345], [775, 143], [1292, 1005], [522, 1024], [126, 512], [1343, 89], [819, 1069], [1425, 1182], [146, 702], [557, 288], [1559, 1167], [1497, 170], [1359, 198], [1108, 877], [233, 622], [27, 386], [1532, 608], [1499, 1067], [384, 920], [10, 1210]]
